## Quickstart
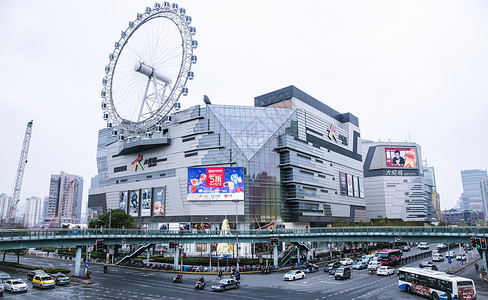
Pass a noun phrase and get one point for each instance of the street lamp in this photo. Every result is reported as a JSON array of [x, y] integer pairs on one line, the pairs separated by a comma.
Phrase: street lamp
[[237, 236]]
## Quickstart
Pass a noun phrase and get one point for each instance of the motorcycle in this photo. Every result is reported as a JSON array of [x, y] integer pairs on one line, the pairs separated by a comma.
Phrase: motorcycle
[[236, 276], [200, 285], [371, 271], [177, 279], [105, 270]]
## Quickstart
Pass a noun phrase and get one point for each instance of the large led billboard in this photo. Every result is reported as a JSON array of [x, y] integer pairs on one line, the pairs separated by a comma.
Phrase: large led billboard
[[401, 157], [215, 184]]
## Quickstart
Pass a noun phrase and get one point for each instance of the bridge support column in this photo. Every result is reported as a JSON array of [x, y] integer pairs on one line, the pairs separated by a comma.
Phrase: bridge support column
[[177, 256], [147, 260], [275, 256], [483, 255], [77, 260], [298, 254]]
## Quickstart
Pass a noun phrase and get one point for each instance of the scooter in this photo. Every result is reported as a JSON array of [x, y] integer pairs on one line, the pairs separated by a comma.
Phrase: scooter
[[177, 279], [200, 285]]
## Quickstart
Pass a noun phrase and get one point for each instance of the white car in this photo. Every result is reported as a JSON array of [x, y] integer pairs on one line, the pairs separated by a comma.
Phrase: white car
[[293, 275], [437, 257], [435, 252], [346, 261], [450, 254], [385, 270], [441, 245], [423, 246], [461, 256], [16, 285], [373, 265]]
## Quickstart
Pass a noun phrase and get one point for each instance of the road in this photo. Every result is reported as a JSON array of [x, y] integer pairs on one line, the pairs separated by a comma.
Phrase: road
[[122, 283]]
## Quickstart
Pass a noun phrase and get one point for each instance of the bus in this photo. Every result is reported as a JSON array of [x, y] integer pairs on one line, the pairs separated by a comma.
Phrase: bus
[[436, 285], [389, 257], [73, 226]]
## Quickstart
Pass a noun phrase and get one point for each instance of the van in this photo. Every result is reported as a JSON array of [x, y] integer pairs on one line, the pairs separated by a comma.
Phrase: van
[[343, 273]]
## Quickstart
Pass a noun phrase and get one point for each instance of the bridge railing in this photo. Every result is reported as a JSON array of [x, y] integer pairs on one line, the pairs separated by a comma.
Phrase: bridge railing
[[9, 234]]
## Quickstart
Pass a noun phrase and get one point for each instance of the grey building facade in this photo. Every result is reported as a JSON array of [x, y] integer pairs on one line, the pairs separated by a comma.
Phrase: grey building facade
[[293, 150]]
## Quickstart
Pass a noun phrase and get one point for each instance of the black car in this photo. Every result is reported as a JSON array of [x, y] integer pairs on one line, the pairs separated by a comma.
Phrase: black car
[[33, 273], [310, 268], [333, 265], [60, 278]]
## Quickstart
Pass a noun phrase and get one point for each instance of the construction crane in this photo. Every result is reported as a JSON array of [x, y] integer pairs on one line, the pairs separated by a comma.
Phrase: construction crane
[[10, 216], [58, 216]]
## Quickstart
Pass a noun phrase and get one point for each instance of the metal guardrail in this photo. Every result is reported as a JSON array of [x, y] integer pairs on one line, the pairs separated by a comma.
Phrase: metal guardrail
[[32, 234]]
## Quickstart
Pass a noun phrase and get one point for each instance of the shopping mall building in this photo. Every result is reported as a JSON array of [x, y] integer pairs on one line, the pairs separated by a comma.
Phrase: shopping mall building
[[289, 159]]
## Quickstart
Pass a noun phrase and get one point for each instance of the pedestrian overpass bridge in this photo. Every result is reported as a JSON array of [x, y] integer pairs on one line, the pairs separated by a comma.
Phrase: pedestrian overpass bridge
[[35, 238]]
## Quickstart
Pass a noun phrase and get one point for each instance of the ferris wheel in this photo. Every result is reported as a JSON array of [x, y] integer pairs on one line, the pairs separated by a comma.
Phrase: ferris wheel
[[148, 70]]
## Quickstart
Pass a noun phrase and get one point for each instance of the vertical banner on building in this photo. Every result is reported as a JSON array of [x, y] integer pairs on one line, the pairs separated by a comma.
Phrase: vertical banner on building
[[356, 186], [343, 182], [123, 201], [146, 202], [158, 206], [361, 188], [134, 203], [349, 186]]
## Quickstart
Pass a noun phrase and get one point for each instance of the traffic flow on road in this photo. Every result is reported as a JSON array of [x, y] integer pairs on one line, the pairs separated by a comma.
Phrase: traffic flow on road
[[341, 280]]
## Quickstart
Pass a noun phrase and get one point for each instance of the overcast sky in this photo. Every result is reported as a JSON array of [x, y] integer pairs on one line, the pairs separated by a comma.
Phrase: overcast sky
[[415, 69]]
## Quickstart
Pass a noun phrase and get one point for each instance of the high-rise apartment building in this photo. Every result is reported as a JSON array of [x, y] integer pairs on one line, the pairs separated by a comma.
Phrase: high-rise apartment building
[[5, 202], [429, 175], [34, 212], [69, 187], [471, 198], [484, 195]]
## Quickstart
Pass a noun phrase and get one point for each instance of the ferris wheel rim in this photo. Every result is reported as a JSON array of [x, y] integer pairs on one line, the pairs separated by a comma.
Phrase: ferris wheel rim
[[185, 34]]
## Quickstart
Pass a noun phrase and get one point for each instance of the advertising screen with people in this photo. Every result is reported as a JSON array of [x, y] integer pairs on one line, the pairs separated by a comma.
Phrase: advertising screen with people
[[401, 157], [215, 184]]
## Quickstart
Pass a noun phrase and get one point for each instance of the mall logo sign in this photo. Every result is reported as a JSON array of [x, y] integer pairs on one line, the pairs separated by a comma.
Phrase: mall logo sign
[[333, 135], [137, 163]]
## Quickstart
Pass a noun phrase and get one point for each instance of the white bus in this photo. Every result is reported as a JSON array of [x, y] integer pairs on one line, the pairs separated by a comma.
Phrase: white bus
[[73, 226], [436, 285]]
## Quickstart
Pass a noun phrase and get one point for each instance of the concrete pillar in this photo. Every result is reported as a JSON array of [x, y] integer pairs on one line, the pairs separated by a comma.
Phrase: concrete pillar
[[147, 262], [306, 255], [275, 256], [77, 260], [483, 254], [298, 253], [177, 256]]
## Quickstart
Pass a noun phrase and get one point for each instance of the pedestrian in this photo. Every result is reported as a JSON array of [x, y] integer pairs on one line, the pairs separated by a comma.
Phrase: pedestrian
[[476, 267], [220, 273]]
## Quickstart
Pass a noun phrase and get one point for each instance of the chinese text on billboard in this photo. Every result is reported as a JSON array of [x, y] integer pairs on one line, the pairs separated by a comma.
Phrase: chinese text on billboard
[[215, 184]]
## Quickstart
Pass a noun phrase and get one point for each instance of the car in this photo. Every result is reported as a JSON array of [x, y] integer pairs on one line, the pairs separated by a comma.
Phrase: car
[[437, 257], [428, 265], [43, 281], [225, 284], [294, 274], [346, 261], [406, 248], [450, 254], [360, 265], [373, 265], [441, 245], [423, 246], [333, 265], [15, 285], [4, 276], [385, 270], [60, 278], [33, 273], [342, 273], [333, 270], [310, 268], [468, 247], [461, 256]]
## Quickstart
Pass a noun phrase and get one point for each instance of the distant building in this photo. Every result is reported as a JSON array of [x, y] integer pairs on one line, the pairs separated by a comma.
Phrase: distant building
[[457, 217], [34, 212], [394, 185], [70, 187], [5, 202], [484, 195], [429, 174], [471, 198]]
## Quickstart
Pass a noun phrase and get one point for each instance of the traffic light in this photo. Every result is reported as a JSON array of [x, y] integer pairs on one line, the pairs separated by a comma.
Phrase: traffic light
[[274, 242], [483, 243], [99, 244], [172, 245], [473, 242]]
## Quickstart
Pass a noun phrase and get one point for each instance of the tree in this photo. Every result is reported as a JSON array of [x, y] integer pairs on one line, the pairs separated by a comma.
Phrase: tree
[[119, 219]]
